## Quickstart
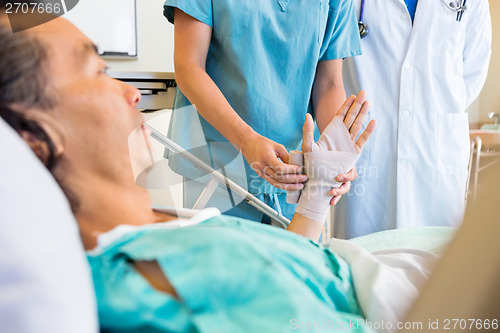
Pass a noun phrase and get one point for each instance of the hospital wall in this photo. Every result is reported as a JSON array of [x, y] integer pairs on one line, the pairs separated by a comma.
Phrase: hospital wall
[[155, 42]]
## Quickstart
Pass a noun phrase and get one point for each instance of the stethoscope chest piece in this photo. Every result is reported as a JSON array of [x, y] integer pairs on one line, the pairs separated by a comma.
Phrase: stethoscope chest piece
[[363, 29]]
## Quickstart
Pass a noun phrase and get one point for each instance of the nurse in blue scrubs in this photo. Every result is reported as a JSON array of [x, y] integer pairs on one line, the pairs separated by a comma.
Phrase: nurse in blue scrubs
[[248, 71]]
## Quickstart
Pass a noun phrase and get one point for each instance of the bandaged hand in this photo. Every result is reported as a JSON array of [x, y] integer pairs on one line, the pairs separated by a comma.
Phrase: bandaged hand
[[335, 153]]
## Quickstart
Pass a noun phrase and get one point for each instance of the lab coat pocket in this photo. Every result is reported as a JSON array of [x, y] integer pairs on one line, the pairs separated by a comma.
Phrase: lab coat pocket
[[446, 14], [450, 40], [453, 143]]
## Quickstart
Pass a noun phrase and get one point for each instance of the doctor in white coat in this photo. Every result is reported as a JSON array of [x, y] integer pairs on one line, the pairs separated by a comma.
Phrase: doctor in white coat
[[420, 75]]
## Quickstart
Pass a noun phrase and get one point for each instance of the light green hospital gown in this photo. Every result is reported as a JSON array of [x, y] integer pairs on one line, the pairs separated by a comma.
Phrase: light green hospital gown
[[231, 275]]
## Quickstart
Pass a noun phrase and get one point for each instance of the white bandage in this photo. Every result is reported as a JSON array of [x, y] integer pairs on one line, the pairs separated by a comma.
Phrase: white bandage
[[296, 158], [333, 155], [322, 167]]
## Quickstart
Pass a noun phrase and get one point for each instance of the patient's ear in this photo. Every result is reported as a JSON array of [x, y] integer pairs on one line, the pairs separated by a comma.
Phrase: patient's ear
[[39, 147]]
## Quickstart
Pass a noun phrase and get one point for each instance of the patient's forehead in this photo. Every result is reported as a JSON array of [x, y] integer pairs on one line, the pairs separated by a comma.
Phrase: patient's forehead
[[67, 47], [62, 37], [58, 29]]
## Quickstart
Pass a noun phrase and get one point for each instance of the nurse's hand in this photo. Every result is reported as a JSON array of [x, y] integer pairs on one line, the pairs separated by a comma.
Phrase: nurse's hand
[[269, 159], [346, 180]]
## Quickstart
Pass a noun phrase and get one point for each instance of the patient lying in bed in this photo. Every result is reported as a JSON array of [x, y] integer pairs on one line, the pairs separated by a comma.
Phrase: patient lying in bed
[[153, 273]]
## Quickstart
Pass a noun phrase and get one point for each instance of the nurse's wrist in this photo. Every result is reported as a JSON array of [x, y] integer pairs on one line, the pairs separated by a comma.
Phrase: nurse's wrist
[[246, 137]]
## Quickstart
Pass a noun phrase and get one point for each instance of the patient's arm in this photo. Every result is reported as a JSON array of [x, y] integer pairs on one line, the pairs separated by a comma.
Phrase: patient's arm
[[306, 227], [352, 113]]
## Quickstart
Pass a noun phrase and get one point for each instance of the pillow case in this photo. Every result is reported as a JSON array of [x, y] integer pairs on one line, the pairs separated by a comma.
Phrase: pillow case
[[45, 281]]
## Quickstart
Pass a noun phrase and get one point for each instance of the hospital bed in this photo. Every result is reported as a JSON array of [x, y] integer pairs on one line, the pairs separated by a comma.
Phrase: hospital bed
[[464, 285], [216, 178], [485, 146], [480, 299], [464, 288]]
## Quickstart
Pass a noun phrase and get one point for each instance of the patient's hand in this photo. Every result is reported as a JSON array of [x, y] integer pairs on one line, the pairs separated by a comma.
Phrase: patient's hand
[[353, 114], [310, 215]]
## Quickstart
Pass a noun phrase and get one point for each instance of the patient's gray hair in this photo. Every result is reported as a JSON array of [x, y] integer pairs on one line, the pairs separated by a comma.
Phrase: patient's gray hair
[[22, 60], [24, 79]]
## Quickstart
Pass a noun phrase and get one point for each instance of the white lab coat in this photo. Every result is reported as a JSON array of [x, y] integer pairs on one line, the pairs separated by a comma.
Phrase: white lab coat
[[419, 80]]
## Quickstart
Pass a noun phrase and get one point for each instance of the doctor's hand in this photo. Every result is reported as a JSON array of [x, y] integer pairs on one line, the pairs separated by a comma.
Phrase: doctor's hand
[[353, 114], [269, 159]]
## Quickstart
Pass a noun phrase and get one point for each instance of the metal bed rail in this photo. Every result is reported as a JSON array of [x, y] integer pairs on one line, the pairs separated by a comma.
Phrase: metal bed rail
[[478, 142], [216, 178]]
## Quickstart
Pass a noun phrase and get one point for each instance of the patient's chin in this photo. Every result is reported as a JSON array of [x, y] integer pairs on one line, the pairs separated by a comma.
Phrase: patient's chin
[[141, 154]]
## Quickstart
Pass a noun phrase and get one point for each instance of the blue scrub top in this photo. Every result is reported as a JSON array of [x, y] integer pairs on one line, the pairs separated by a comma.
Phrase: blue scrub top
[[263, 57]]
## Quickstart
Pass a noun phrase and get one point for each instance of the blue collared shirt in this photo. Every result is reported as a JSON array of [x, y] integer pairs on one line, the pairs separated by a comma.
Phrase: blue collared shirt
[[412, 7]]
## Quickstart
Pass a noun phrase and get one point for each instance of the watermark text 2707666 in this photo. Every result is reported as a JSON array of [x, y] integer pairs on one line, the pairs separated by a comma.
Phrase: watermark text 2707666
[[26, 14], [35, 7]]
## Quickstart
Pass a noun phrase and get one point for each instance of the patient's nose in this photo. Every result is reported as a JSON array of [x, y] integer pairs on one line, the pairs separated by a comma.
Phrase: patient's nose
[[133, 95]]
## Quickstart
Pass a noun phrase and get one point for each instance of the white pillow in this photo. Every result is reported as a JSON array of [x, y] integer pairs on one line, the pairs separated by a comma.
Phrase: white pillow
[[45, 281]]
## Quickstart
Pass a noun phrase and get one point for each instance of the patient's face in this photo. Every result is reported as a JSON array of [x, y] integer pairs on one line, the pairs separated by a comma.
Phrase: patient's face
[[94, 113]]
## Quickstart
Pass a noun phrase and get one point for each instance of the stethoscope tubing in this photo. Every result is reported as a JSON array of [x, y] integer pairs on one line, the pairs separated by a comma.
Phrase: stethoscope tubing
[[361, 11], [462, 9]]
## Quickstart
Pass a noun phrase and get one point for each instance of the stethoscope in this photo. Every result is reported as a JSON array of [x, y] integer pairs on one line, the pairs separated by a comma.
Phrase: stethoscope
[[457, 6], [363, 28]]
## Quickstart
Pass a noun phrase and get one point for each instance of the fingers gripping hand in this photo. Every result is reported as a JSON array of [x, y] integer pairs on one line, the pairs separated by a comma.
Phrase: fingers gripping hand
[[269, 160], [347, 178]]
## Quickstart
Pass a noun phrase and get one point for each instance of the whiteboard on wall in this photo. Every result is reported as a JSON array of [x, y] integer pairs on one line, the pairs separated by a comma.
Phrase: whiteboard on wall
[[110, 24]]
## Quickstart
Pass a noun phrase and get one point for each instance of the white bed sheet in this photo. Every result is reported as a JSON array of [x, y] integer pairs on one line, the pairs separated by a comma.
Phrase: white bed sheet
[[388, 281]]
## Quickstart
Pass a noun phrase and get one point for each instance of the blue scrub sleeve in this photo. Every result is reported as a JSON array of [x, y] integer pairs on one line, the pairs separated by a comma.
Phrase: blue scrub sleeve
[[342, 34], [199, 9]]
